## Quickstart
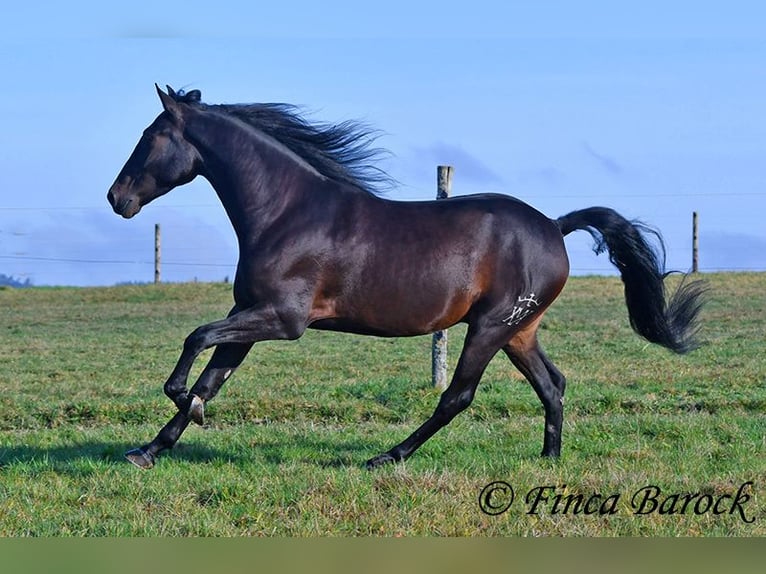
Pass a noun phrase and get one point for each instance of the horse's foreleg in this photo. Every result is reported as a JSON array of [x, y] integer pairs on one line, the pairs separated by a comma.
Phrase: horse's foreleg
[[222, 365], [175, 386], [241, 326], [143, 457], [224, 361], [234, 335]]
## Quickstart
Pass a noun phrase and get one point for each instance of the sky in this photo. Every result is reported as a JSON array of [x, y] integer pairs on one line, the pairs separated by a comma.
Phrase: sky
[[654, 108]]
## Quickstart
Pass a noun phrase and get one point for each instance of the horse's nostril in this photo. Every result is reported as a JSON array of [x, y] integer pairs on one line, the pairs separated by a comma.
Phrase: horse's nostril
[[126, 207], [120, 204]]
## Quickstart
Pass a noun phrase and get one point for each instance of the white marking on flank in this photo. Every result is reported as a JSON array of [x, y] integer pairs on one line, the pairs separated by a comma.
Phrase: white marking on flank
[[522, 310]]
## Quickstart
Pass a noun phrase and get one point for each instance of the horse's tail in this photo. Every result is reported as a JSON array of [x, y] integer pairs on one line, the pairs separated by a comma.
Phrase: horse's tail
[[671, 323]]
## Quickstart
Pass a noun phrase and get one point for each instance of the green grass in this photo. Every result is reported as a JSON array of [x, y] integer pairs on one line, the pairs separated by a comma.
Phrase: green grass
[[285, 442]]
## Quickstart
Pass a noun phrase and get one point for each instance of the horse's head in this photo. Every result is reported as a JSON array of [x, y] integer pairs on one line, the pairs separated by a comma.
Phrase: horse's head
[[162, 159]]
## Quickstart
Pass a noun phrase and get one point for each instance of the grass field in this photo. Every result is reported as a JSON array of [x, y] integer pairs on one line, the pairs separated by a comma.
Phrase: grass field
[[282, 453]]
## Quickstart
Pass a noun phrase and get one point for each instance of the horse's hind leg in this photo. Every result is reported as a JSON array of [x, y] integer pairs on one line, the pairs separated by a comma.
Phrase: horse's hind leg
[[547, 381], [478, 350]]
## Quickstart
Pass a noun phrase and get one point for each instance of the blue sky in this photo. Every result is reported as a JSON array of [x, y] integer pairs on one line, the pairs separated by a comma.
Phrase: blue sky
[[656, 109]]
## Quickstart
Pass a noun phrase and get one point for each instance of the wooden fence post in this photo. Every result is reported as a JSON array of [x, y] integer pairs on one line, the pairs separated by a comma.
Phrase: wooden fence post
[[157, 253], [439, 341], [695, 243]]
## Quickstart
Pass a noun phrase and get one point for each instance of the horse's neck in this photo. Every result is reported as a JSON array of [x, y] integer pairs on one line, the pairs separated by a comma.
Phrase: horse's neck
[[254, 179]]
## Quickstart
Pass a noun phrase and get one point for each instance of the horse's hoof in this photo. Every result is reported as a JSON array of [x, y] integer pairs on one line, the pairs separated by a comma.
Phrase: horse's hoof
[[142, 459], [380, 460], [197, 410]]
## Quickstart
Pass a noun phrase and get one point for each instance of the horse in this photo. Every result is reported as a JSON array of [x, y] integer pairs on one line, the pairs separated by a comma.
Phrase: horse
[[322, 247]]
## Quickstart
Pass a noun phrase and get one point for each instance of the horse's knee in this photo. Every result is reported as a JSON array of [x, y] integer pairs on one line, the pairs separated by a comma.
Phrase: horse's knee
[[195, 343]]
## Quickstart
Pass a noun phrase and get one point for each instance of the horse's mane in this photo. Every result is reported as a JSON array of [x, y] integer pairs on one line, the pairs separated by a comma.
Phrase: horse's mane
[[342, 152]]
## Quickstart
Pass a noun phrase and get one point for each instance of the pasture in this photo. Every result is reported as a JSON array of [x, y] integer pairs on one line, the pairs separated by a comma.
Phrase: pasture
[[284, 445]]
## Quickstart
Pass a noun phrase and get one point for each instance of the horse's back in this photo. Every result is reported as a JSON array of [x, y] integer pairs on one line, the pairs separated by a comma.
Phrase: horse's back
[[482, 226]]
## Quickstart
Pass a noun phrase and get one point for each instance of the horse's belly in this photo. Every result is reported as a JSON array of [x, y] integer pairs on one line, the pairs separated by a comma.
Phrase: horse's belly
[[397, 314]]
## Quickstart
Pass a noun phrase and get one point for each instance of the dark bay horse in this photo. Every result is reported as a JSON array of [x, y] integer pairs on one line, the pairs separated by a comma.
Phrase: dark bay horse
[[320, 249]]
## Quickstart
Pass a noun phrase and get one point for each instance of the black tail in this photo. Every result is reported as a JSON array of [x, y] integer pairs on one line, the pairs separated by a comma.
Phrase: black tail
[[671, 323]]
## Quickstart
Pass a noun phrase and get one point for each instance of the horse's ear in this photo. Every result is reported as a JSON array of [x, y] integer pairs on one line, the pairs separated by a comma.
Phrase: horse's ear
[[168, 103]]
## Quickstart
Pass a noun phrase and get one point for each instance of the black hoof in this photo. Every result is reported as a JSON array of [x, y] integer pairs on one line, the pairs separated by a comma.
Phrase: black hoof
[[140, 458], [380, 460], [197, 410]]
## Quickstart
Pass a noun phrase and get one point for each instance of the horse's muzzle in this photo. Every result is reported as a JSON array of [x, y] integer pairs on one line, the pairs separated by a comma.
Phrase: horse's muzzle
[[127, 207]]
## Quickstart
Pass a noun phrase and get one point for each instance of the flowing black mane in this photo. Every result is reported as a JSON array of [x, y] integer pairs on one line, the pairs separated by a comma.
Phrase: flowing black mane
[[342, 152]]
